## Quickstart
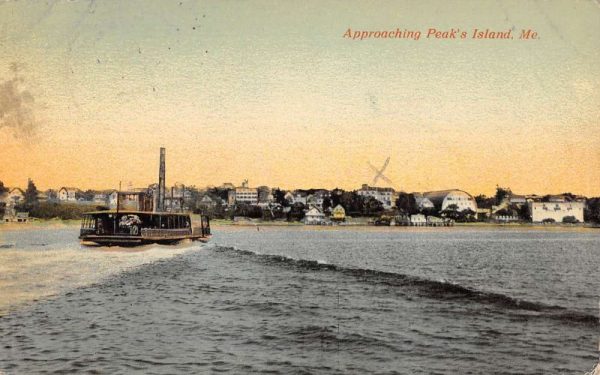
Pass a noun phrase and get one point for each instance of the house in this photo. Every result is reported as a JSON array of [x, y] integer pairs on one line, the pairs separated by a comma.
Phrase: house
[[422, 202], [444, 198], [10, 199], [385, 195], [418, 220], [22, 217], [68, 194], [556, 211], [100, 198], [264, 194], [299, 197], [207, 202], [175, 197], [314, 217], [338, 213], [18, 217], [318, 198], [13, 197]]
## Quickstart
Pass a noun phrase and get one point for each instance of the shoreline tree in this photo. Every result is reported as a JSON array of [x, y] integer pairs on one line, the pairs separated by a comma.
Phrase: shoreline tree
[[31, 196]]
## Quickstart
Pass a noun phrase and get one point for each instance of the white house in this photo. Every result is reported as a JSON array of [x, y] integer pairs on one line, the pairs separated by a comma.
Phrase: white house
[[207, 202], [314, 217], [418, 220], [422, 202], [242, 194], [444, 198], [14, 197], [67, 194], [556, 211], [383, 195]]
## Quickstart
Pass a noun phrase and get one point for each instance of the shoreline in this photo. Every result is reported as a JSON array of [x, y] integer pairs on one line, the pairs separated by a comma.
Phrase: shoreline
[[60, 224]]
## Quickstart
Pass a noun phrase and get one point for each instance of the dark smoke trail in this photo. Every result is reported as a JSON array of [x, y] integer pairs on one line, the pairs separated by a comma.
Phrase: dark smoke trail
[[17, 105]]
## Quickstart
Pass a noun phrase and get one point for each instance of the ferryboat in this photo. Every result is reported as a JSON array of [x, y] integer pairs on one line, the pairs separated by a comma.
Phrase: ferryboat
[[131, 228], [149, 221]]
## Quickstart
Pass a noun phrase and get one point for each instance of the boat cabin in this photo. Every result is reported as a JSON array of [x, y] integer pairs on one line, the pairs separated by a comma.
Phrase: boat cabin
[[138, 227]]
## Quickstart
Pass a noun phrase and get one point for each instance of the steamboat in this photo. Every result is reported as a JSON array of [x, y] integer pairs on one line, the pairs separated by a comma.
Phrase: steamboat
[[130, 228], [150, 220]]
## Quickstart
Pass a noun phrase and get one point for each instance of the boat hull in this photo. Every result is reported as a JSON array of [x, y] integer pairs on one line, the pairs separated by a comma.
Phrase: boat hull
[[128, 241]]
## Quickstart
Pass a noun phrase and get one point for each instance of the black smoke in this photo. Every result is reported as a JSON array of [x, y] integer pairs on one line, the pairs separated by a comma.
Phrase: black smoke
[[17, 105]]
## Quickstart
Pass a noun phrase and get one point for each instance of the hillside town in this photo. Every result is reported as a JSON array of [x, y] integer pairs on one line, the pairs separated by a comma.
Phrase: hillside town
[[365, 205]]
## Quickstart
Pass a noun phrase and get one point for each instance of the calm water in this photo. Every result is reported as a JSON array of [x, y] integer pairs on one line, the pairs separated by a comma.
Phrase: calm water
[[302, 300]]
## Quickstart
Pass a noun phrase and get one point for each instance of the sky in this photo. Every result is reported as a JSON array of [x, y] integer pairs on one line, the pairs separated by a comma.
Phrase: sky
[[272, 92]]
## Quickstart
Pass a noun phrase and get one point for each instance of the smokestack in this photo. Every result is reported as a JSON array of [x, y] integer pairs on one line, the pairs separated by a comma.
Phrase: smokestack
[[160, 204]]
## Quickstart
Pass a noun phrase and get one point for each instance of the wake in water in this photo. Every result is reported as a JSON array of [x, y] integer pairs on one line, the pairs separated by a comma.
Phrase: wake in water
[[439, 290], [38, 264]]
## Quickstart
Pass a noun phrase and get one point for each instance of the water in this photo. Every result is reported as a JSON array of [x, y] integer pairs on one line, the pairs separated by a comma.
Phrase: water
[[304, 300]]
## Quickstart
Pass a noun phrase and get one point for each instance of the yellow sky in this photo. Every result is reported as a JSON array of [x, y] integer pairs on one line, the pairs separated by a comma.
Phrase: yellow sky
[[272, 92]]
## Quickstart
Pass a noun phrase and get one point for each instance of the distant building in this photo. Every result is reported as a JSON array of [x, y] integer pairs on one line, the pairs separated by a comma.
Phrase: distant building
[[435, 221], [207, 202], [418, 220], [14, 197], [517, 199], [242, 194], [556, 211], [314, 217], [299, 197], [68, 194], [22, 217], [18, 217], [176, 197], [264, 194], [422, 202], [444, 198], [385, 195], [318, 198], [100, 198], [338, 213]]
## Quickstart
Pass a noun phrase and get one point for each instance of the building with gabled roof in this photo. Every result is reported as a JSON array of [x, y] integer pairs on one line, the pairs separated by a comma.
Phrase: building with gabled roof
[[68, 194], [314, 217], [442, 199]]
